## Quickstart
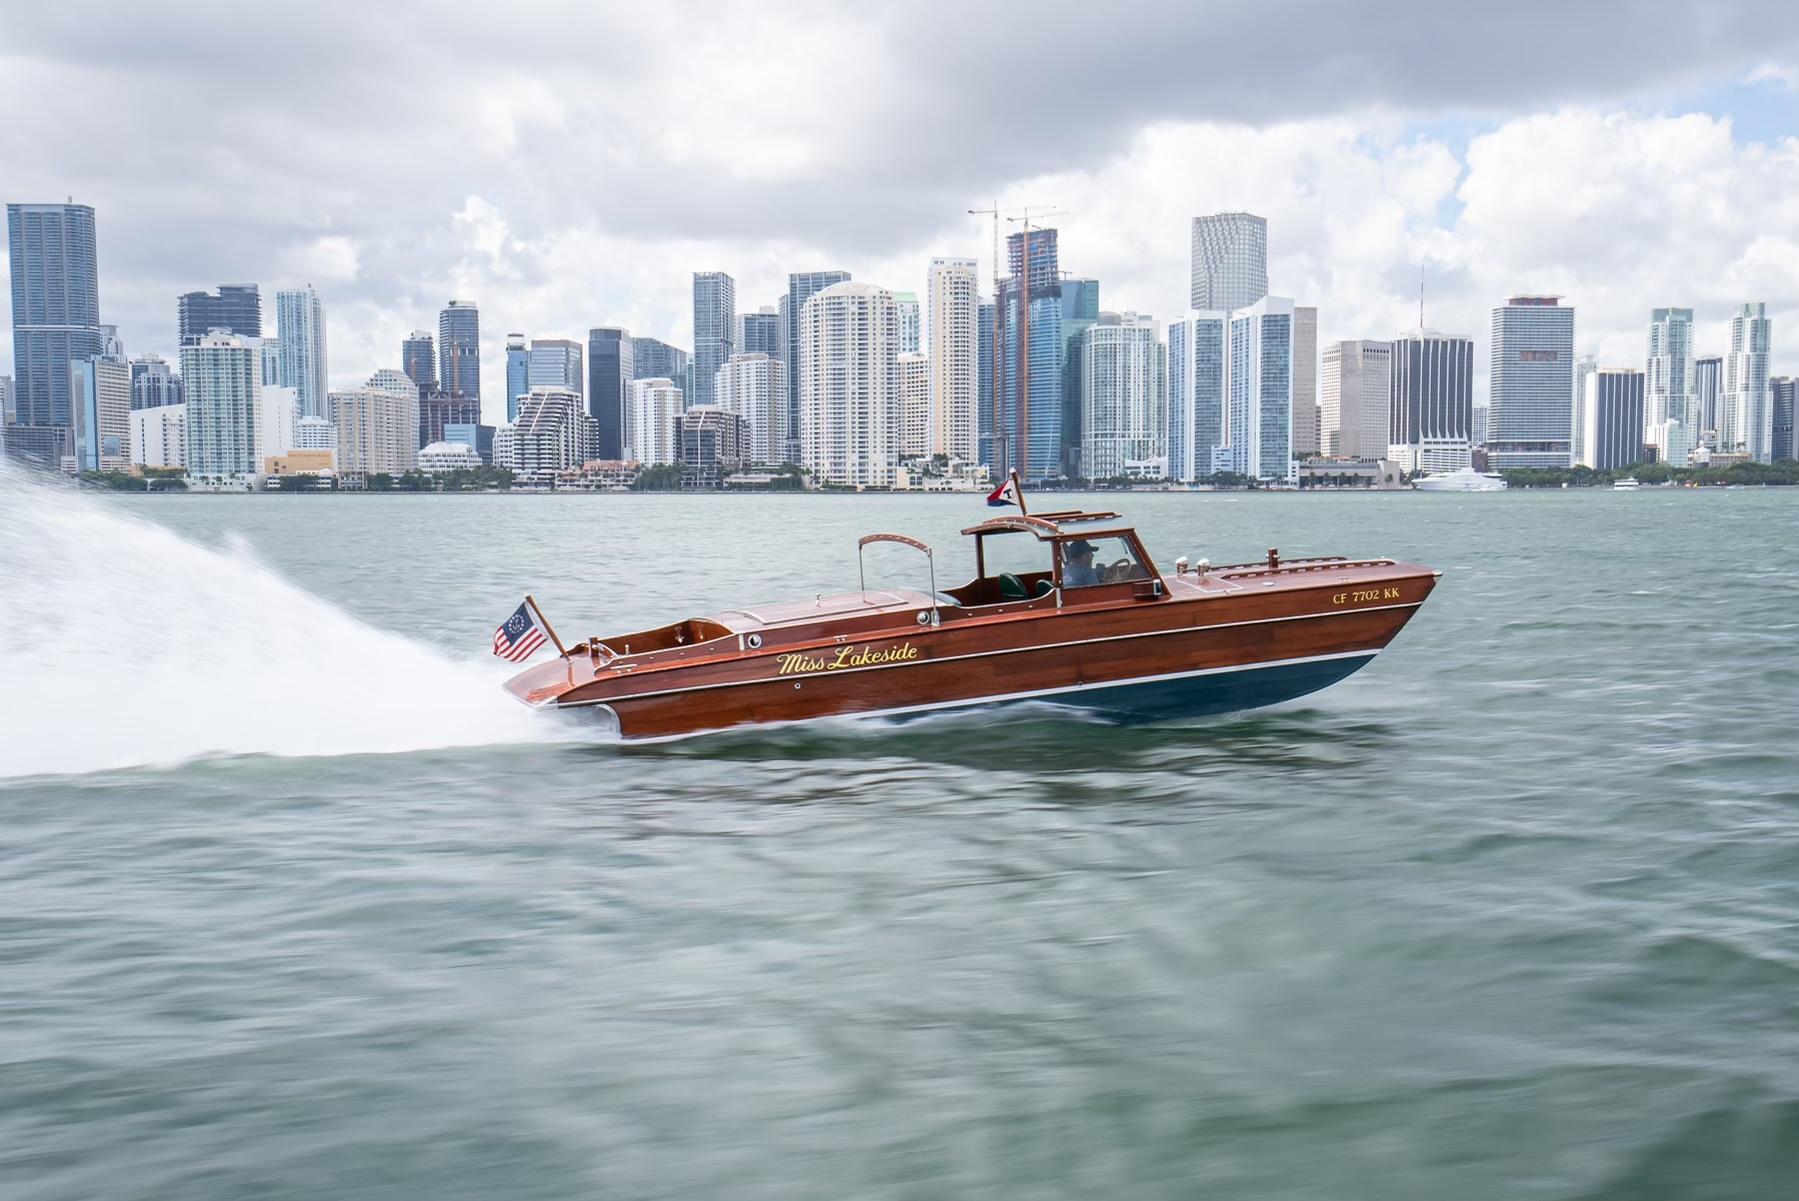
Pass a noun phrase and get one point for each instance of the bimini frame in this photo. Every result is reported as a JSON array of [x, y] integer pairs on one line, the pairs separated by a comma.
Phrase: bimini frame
[[915, 544]]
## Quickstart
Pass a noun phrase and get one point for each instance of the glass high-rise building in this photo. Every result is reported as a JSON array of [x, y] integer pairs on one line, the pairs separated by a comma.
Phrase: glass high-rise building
[[1258, 416], [1230, 261], [652, 358], [763, 332], [459, 349], [418, 359], [714, 330], [518, 373], [1612, 419], [300, 319], [801, 287], [1196, 360], [153, 384], [1530, 384], [234, 308], [985, 341], [610, 370], [556, 363], [1431, 414], [911, 318], [53, 259], [1708, 386], [1781, 388], [1080, 311], [1030, 435]]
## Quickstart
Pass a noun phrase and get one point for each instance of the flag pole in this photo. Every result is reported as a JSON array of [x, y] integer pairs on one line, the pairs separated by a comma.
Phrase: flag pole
[[547, 627], [1018, 490]]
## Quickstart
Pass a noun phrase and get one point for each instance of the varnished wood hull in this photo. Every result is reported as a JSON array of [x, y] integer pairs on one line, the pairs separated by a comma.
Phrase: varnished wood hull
[[1192, 652]]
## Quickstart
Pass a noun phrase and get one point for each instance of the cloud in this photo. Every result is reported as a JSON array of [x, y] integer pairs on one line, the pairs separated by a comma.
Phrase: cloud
[[567, 166]]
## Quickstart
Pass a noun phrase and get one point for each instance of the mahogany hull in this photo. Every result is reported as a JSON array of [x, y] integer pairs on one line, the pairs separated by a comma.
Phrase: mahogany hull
[[1188, 653]]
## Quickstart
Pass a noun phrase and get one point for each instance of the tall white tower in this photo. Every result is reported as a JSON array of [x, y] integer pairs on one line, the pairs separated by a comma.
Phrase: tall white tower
[[1668, 423], [954, 294], [1745, 411], [1230, 261], [849, 385], [300, 324]]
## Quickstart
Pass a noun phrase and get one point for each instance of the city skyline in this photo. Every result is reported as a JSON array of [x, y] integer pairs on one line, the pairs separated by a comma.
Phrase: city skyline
[[1484, 175]]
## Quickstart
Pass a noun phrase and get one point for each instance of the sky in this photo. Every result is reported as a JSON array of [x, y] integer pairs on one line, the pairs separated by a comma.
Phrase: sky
[[567, 166]]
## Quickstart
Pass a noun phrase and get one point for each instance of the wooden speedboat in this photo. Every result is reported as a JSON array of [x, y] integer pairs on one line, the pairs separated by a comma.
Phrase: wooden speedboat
[[1063, 607]]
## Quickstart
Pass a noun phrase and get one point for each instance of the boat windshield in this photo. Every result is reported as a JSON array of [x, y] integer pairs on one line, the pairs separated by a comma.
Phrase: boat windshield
[[1103, 559]]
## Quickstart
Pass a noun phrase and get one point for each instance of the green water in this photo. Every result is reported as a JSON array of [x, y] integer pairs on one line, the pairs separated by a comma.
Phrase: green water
[[1511, 913]]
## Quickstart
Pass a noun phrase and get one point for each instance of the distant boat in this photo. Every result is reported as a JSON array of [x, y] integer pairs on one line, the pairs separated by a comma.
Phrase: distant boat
[[1464, 480], [1628, 484]]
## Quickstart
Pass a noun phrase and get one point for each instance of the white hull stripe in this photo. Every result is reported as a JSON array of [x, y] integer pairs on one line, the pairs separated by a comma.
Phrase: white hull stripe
[[1014, 650], [997, 698]]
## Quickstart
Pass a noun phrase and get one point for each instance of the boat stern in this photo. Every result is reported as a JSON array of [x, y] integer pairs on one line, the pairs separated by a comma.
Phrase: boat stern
[[542, 685]]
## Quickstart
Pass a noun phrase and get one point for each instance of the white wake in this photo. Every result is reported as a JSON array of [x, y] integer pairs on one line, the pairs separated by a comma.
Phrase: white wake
[[124, 644]]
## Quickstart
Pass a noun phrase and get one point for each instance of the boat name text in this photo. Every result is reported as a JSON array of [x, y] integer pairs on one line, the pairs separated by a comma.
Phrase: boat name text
[[844, 656], [1362, 596]]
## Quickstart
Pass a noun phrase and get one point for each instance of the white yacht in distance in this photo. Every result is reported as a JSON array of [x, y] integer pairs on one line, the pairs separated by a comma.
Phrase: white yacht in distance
[[1465, 479], [1626, 484]]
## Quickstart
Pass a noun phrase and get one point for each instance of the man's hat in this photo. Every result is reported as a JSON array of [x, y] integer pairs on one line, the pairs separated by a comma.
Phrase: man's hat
[[1081, 547]]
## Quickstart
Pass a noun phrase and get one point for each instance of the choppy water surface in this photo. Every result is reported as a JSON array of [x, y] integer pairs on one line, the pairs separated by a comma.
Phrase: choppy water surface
[[294, 905]]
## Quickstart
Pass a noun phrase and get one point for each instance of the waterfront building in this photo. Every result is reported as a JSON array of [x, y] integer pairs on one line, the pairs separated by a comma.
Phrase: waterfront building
[[271, 361], [518, 373], [763, 332], [954, 297], [1431, 411], [377, 427], [801, 287], [911, 322], [315, 433], [300, 329], [418, 359], [652, 358], [1708, 388], [849, 386], [1230, 261], [754, 386], [234, 308], [985, 414], [1080, 311], [1480, 425], [1529, 384], [1746, 416], [610, 370], [159, 436], [472, 434], [1124, 414], [1780, 390], [1356, 399], [1307, 440], [277, 422], [915, 422], [505, 448], [153, 384], [53, 260], [439, 410], [1668, 386], [554, 433], [222, 377], [1584, 366], [714, 330], [1258, 426], [441, 458], [710, 443], [1196, 371], [1032, 399], [556, 364], [459, 349], [1612, 419], [100, 397], [655, 405]]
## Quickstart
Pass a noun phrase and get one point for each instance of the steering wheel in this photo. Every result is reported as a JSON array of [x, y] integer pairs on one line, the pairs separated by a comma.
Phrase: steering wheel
[[1011, 587], [1117, 571]]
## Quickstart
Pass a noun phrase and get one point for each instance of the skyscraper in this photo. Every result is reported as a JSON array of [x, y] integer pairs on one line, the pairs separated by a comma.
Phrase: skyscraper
[[9, 404], [850, 397], [1668, 385], [1431, 422], [1584, 366], [222, 376], [1196, 361], [1080, 311], [1230, 261], [153, 385], [1781, 389], [377, 427], [301, 329], [954, 296], [610, 370], [911, 322], [518, 373], [438, 411], [553, 433], [801, 287], [556, 363], [459, 349], [1305, 381], [1258, 426], [1029, 433], [754, 386], [234, 308], [1124, 413], [985, 342], [418, 359], [1612, 417], [714, 330], [915, 423], [763, 332], [1355, 401], [1530, 383], [55, 307], [652, 358], [1746, 416], [100, 394], [656, 405], [1708, 387]]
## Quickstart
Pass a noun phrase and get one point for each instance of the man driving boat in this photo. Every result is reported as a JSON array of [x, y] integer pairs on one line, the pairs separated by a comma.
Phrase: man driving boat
[[1077, 565]]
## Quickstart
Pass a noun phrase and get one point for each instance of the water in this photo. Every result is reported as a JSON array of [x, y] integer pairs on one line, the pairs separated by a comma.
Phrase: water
[[294, 905]]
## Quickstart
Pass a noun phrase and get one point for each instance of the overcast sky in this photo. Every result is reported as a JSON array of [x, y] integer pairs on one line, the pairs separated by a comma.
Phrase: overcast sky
[[566, 166]]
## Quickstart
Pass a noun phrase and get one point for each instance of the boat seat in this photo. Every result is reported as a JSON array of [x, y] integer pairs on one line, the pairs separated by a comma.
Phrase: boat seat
[[1011, 587]]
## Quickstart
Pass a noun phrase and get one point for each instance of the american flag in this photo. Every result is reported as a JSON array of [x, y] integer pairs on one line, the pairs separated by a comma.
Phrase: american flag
[[518, 637]]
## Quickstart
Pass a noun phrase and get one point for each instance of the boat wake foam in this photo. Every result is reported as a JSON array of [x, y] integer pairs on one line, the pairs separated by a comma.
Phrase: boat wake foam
[[124, 645]]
